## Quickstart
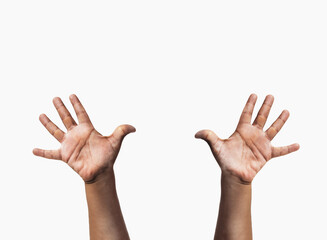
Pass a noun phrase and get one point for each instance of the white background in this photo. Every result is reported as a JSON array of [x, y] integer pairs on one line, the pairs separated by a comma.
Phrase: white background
[[170, 68]]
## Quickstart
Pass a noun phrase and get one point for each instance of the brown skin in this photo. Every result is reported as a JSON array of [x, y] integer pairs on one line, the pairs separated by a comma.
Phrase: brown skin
[[240, 158], [92, 156]]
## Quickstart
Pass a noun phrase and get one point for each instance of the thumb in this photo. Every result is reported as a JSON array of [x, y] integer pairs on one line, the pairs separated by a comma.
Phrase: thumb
[[121, 131], [209, 136]]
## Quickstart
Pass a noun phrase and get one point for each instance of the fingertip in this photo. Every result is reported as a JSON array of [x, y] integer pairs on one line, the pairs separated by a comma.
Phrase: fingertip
[[209, 136], [269, 99], [126, 129], [285, 111], [253, 96], [270, 96], [56, 99], [196, 135], [199, 134], [252, 99], [72, 96], [132, 128], [42, 115], [286, 114], [297, 146], [294, 147], [35, 151]]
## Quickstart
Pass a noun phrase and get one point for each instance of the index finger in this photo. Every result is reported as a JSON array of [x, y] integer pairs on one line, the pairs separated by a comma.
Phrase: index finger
[[79, 110], [248, 110]]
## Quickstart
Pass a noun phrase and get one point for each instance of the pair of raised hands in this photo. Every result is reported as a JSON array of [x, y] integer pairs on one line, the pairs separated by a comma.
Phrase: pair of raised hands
[[91, 155]]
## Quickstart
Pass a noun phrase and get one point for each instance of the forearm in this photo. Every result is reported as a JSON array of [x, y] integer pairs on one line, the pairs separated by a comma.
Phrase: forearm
[[234, 219], [105, 216]]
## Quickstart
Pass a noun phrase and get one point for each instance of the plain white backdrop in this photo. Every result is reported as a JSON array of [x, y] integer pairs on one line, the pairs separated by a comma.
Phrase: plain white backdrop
[[170, 68]]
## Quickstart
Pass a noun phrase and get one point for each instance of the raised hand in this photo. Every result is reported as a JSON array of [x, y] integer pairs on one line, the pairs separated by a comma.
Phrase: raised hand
[[248, 149], [83, 148]]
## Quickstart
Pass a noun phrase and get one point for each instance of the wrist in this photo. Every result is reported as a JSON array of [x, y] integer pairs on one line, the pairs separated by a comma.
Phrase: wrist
[[102, 176], [232, 187], [230, 178]]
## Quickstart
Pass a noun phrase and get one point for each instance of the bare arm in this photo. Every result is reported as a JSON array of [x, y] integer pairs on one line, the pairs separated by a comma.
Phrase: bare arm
[[240, 158], [234, 219], [105, 216], [92, 156]]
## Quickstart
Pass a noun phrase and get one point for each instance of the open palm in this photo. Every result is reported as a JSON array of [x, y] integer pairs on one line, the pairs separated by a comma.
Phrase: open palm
[[248, 149], [83, 148]]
